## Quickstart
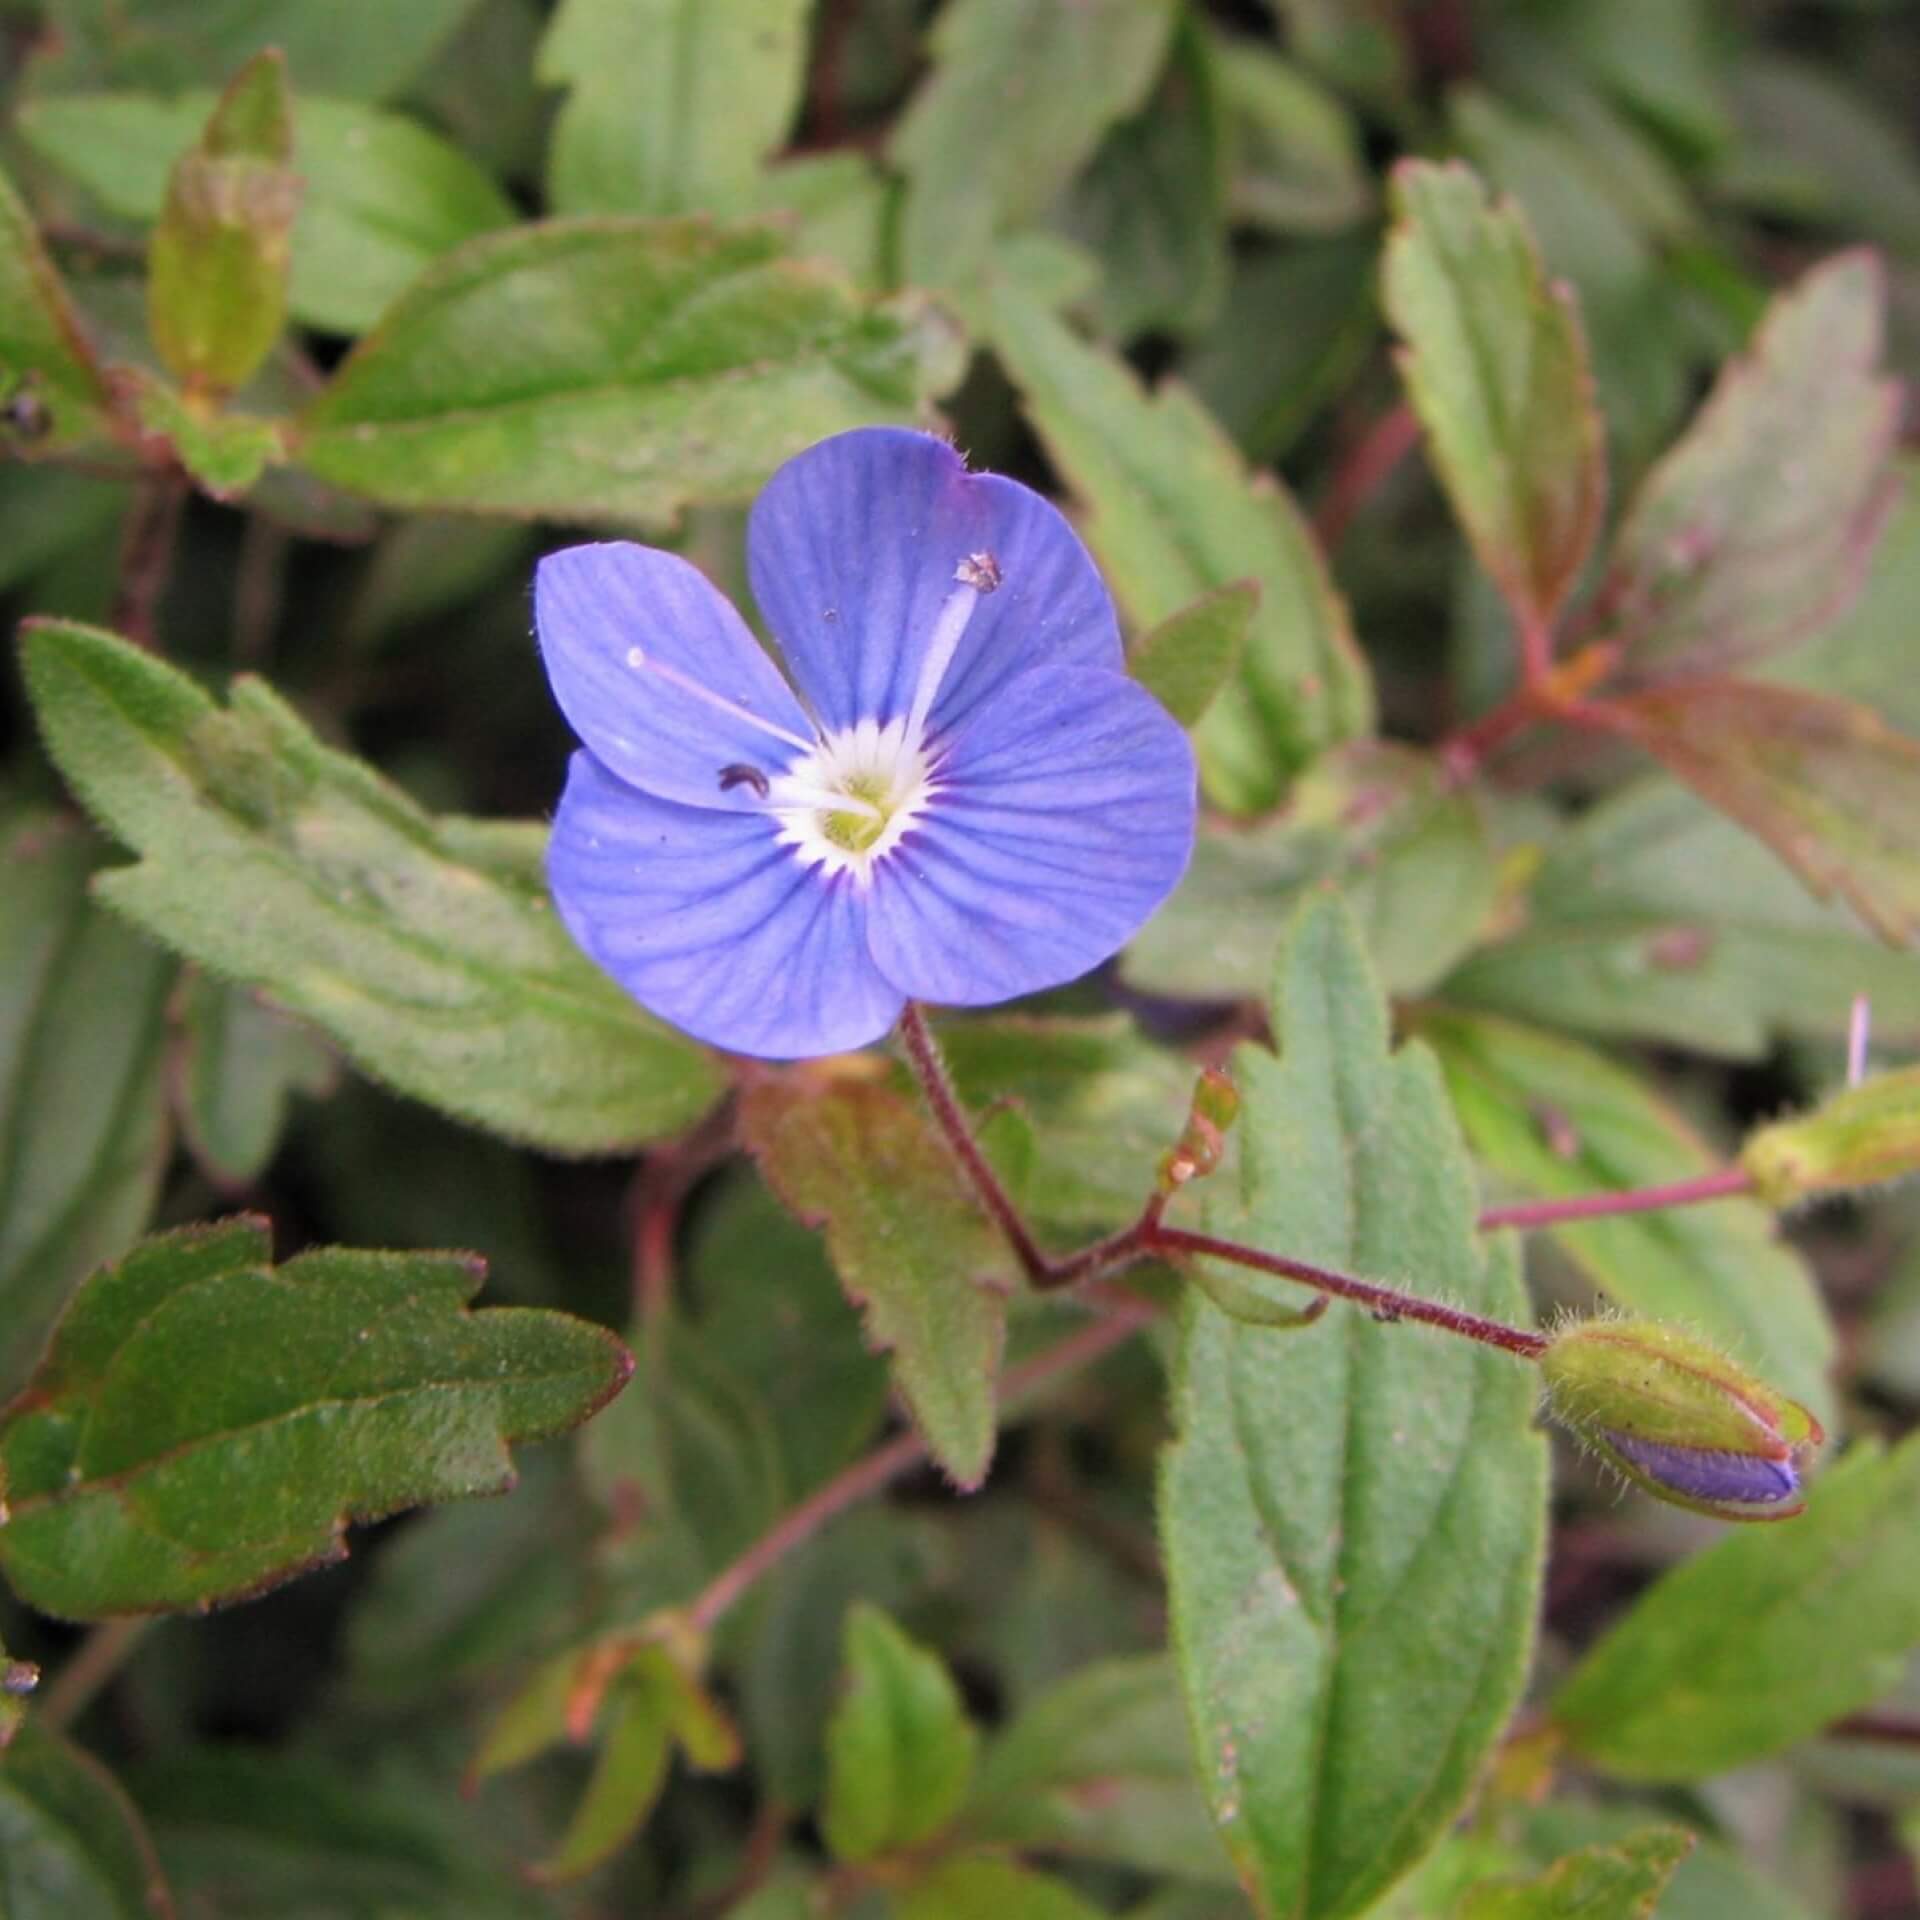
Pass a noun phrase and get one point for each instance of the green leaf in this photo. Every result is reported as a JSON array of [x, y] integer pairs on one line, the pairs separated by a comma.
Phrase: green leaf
[[241, 1064], [424, 947], [1098, 1767], [1553, 1118], [913, 1250], [1352, 1516], [71, 1844], [837, 205], [384, 197], [1049, 81], [364, 49], [45, 357], [1153, 204], [636, 1744], [1296, 159], [83, 1125], [1172, 514], [1186, 660], [1759, 527], [217, 267], [1497, 371], [900, 1747], [1828, 1608], [1652, 917], [630, 367], [672, 105], [1621, 1882], [204, 1425], [1409, 848], [1828, 785], [988, 1889]]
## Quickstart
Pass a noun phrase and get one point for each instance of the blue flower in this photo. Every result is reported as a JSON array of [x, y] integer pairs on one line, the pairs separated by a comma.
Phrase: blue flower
[[954, 793]]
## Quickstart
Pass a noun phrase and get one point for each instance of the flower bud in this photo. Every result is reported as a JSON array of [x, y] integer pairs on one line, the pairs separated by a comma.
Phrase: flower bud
[[1680, 1419], [1860, 1137], [1202, 1142]]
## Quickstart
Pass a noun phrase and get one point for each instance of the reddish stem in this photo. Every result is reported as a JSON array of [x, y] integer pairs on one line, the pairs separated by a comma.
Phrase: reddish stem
[[1364, 469], [887, 1463], [1149, 1236], [1384, 1303], [1723, 1184]]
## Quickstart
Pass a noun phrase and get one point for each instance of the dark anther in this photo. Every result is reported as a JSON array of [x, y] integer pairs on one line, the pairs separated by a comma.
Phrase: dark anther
[[25, 414], [742, 775]]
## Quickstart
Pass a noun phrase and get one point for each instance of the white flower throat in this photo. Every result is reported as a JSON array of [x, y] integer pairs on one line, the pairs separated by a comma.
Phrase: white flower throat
[[846, 799]]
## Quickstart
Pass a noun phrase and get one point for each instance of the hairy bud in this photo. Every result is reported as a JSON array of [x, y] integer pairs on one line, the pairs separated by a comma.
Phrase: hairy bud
[[1679, 1418], [1859, 1138]]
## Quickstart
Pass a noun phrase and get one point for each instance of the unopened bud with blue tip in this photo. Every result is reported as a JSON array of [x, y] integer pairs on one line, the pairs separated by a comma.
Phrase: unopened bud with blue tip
[[1679, 1418]]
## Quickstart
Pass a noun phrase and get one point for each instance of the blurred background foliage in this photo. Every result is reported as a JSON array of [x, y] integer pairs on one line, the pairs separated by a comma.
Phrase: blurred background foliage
[[1016, 216]]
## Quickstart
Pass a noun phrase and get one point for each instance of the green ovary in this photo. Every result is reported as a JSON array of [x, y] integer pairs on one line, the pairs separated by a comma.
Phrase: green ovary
[[856, 832]]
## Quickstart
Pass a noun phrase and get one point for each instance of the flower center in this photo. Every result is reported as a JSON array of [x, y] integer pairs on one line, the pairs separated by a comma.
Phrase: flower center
[[845, 803]]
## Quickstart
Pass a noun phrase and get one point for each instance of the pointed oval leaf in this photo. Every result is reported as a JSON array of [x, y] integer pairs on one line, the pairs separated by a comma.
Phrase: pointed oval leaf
[[424, 946], [614, 369], [204, 1425], [899, 1746], [1352, 1515], [45, 356], [1497, 370], [1759, 527], [1827, 1608]]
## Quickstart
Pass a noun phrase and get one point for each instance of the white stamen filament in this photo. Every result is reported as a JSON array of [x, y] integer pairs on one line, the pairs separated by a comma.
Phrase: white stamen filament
[[645, 663], [955, 612], [788, 792]]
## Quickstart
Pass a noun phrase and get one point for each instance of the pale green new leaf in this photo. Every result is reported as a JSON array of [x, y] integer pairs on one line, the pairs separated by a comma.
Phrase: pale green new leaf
[[83, 1125], [1296, 163], [1408, 848], [1497, 371], [615, 369], [912, 1248], [383, 196], [1758, 528], [425, 947], [1019, 95], [71, 1844], [1826, 1608], [900, 1747], [671, 105], [204, 1425], [1553, 1118], [1172, 513], [1352, 1515], [1622, 1882]]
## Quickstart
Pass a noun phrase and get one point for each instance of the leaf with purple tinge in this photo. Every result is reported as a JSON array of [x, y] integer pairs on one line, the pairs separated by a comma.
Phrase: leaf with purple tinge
[[1757, 529], [929, 1272], [1496, 367], [1828, 785]]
